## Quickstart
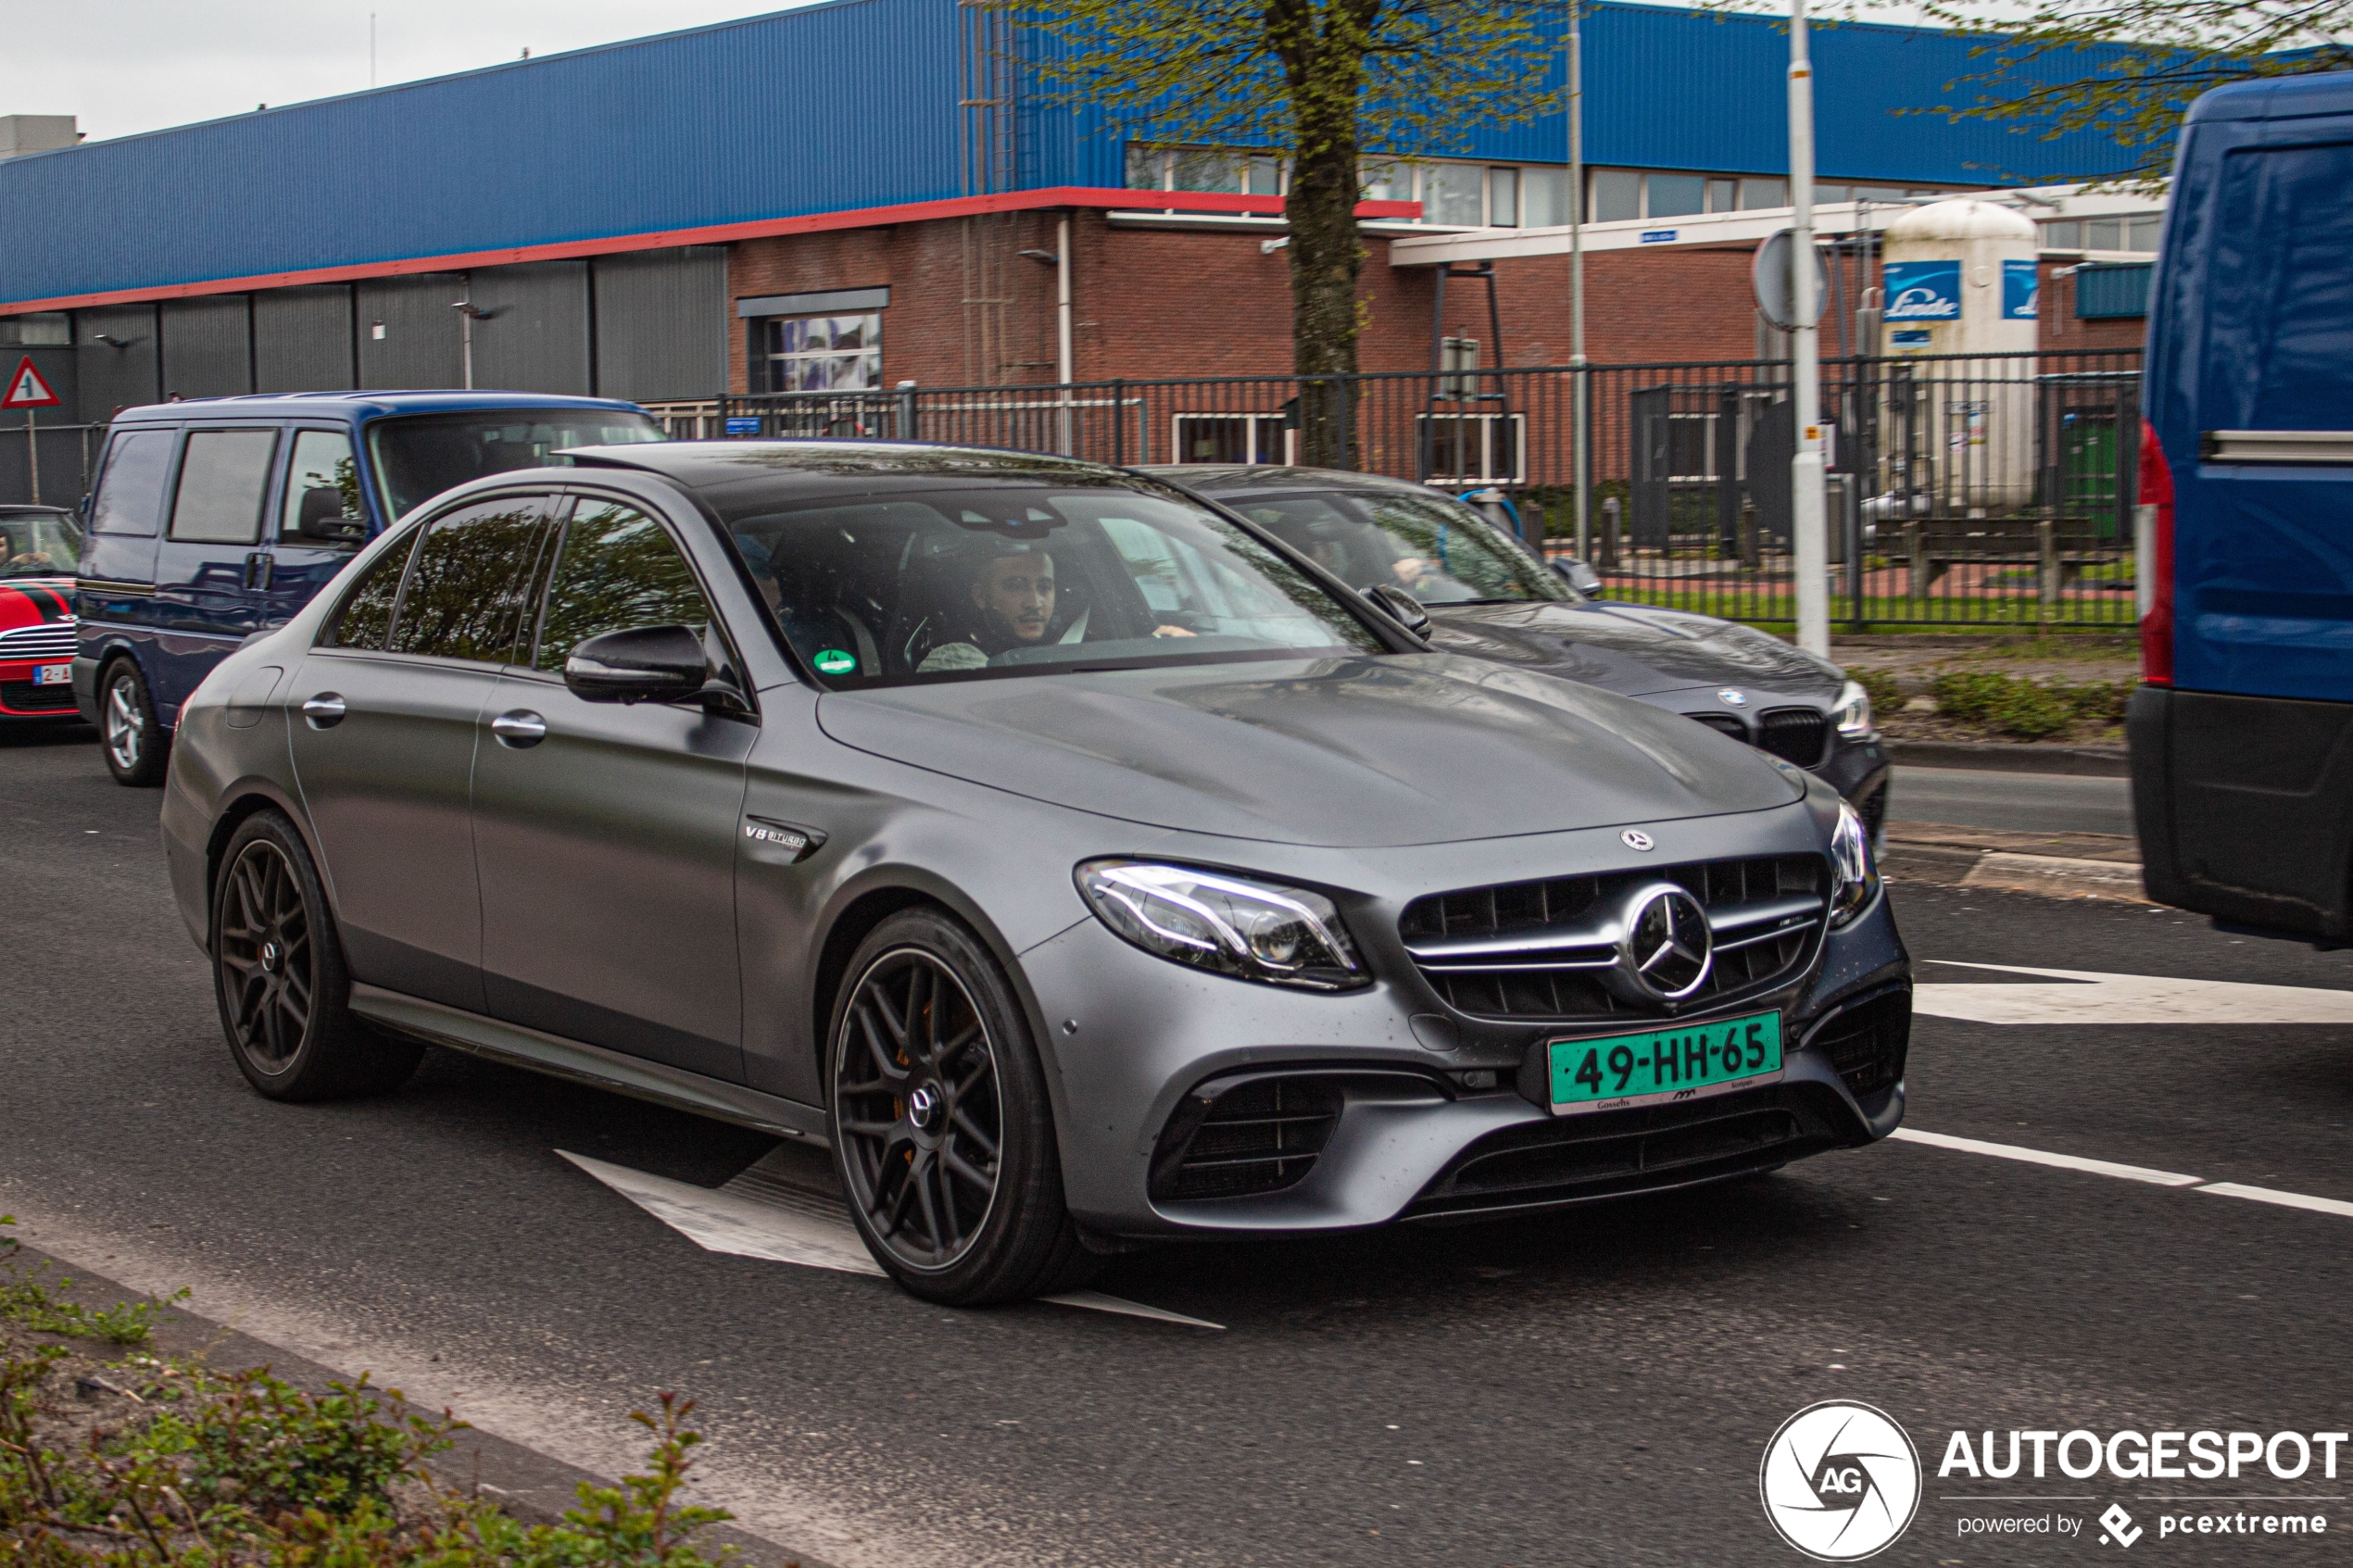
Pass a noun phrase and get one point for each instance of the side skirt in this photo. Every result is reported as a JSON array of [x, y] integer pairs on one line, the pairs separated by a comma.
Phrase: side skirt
[[443, 1025]]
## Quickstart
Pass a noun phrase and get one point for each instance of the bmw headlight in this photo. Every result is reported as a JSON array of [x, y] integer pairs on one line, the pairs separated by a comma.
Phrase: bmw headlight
[[1854, 874], [1225, 923], [1853, 714]]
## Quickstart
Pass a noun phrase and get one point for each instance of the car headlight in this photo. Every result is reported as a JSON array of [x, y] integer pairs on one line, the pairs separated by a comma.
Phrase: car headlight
[[1853, 713], [1854, 874], [1225, 923]]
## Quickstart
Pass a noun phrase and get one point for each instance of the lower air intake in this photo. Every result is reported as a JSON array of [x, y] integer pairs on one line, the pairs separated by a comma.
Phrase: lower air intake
[[1245, 1136], [1867, 1043]]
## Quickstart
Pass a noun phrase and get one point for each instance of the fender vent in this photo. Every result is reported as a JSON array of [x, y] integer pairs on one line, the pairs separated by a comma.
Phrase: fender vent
[[1244, 1137]]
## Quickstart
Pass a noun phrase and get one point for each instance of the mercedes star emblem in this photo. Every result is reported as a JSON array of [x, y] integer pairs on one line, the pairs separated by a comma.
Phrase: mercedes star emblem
[[1666, 946], [1635, 838]]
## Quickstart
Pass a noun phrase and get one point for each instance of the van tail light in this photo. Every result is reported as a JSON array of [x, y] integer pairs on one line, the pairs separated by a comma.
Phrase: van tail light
[[2152, 522]]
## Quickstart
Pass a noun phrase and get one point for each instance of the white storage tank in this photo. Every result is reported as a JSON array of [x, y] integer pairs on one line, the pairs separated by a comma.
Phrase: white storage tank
[[1959, 278]]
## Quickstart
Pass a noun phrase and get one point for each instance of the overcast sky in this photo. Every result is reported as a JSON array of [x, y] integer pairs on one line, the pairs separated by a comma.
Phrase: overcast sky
[[128, 66]]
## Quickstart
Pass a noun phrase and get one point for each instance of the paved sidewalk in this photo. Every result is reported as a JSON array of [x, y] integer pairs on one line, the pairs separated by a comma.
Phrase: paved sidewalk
[[2058, 865]]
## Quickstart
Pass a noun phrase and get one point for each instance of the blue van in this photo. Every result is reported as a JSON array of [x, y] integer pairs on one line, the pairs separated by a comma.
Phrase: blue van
[[2242, 739], [216, 519]]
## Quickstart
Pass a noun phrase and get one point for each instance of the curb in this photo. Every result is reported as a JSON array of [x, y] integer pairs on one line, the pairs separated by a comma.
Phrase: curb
[[2053, 876], [533, 1487], [2013, 756]]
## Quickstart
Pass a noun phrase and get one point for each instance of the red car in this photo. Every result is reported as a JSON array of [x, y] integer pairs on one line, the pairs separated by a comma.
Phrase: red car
[[40, 546]]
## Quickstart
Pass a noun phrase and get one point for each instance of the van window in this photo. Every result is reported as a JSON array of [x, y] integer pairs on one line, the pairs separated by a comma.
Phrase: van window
[[322, 493], [224, 475], [472, 575], [130, 498], [420, 455], [2278, 331]]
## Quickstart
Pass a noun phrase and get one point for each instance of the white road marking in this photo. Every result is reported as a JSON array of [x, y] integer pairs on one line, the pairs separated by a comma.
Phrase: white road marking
[[2043, 1157], [2088, 997], [2284, 1200], [2336, 1206], [759, 1215]]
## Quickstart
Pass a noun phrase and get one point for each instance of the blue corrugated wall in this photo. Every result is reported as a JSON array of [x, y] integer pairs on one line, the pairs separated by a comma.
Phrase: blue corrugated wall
[[814, 110], [854, 105]]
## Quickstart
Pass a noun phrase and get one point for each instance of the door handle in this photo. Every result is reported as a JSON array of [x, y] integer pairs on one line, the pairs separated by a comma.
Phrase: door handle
[[324, 711], [258, 570], [519, 729]]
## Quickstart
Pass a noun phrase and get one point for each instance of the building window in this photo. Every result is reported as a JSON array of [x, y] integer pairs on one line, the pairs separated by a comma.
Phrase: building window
[[1206, 169], [1503, 199], [816, 353], [2135, 233]]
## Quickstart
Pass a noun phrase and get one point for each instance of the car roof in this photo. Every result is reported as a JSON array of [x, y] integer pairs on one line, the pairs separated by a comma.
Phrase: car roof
[[2328, 93], [1267, 479], [25, 508], [357, 405], [701, 465]]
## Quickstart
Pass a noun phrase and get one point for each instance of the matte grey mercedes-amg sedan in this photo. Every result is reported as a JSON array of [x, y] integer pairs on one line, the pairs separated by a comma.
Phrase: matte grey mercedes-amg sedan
[[1079, 861]]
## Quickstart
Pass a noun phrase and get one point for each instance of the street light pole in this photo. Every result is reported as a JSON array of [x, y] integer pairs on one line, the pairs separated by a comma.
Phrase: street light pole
[[1576, 282], [1806, 520]]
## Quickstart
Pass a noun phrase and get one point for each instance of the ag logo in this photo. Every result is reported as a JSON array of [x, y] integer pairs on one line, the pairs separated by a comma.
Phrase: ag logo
[[1840, 1481]]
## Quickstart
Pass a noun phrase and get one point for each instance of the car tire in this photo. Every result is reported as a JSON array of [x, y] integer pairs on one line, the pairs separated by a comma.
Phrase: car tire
[[129, 734], [931, 1064], [280, 979]]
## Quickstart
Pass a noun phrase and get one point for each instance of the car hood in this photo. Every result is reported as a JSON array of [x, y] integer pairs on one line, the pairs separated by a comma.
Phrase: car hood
[[1630, 648], [1354, 752]]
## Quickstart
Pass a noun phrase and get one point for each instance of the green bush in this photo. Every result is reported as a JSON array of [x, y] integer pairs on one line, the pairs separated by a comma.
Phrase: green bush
[[2005, 703], [1885, 692]]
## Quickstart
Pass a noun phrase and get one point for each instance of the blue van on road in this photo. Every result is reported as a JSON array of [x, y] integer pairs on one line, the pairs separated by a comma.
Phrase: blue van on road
[[2242, 738], [216, 519]]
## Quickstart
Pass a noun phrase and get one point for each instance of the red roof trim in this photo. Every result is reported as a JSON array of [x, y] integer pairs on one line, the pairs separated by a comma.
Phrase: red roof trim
[[721, 234]]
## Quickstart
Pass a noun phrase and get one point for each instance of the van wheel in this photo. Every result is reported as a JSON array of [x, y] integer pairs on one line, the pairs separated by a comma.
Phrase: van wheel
[[278, 972], [942, 1129], [134, 743]]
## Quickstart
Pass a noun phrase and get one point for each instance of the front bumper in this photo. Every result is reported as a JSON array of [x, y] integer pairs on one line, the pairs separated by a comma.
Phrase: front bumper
[[1422, 1111], [19, 698]]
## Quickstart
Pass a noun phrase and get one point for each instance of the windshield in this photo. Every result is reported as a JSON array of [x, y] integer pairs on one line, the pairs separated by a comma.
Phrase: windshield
[[39, 544], [420, 456], [1437, 550], [947, 583]]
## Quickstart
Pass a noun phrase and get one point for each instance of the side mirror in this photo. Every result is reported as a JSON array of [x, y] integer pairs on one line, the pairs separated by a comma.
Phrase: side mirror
[[323, 517], [643, 664], [1399, 606], [1577, 574]]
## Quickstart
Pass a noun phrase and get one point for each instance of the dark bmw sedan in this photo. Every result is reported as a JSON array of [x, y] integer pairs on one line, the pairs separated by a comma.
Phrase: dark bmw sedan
[[1489, 596], [1081, 866]]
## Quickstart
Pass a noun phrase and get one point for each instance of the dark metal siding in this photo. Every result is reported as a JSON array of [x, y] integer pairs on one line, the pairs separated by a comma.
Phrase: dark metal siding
[[115, 377], [302, 339], [719, 125], [419, 349], [661, 323], [536, 336], [206, 346]]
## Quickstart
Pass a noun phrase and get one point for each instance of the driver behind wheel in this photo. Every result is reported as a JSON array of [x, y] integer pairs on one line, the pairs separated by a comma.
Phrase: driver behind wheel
[[1013, 592]]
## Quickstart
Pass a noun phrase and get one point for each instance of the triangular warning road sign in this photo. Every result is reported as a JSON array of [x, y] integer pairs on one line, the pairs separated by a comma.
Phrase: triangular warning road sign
[[27, 390]]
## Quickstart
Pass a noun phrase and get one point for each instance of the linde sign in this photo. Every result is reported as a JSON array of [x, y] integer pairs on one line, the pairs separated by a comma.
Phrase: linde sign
[[1923, 291]]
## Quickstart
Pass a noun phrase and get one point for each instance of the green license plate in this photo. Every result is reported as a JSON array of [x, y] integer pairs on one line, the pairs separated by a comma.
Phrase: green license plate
[[1687, 1062]]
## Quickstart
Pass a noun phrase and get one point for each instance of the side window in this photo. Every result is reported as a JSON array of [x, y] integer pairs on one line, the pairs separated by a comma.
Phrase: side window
[[365, 618], [130, 498], [618, 569], [322, 493], [466, 593], [224, 474]]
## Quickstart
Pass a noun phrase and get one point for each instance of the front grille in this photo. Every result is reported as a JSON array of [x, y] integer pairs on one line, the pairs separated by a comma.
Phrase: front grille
[[1794, 734], [1722, 724], [53, 640], [1541, 949], [1867, 1043], [1619, 1151], [1245, 1136], [25, 698]]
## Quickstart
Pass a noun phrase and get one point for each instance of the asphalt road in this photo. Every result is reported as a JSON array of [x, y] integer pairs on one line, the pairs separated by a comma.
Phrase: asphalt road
[[2026, 802], [1595, 1388]]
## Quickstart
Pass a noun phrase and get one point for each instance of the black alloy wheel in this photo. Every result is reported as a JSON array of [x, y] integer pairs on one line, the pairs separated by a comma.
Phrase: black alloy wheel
[[132, 739], [941, 1126], [279, 976]]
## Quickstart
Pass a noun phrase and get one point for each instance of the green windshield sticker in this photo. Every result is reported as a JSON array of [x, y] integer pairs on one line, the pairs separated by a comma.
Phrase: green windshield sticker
[[832, 661]]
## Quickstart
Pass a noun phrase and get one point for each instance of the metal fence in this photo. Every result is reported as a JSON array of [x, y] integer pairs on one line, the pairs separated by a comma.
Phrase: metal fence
[[1993, 490], [54, 465]]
